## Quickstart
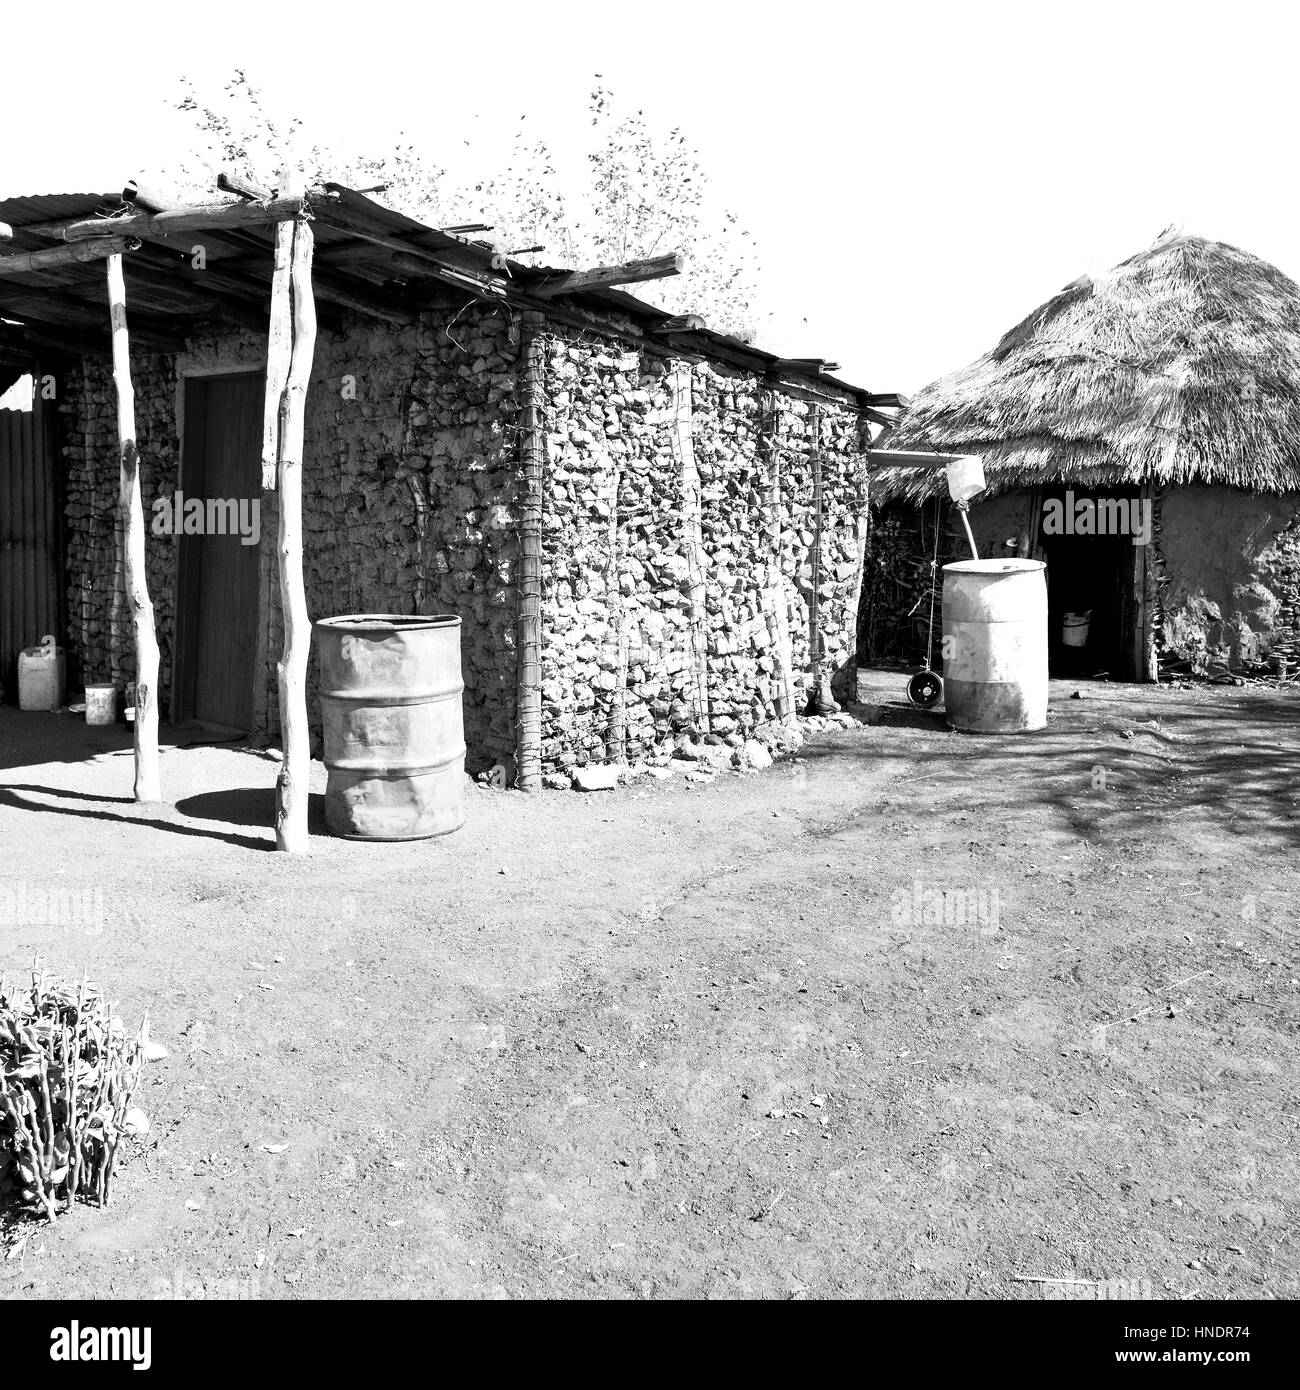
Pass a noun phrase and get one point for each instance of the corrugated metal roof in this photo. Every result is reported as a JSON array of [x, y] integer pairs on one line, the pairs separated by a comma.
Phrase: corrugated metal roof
[[366, 266]]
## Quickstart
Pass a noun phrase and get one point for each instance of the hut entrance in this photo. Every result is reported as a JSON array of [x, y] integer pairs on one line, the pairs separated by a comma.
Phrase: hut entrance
[[218, 523], [1095, 545]]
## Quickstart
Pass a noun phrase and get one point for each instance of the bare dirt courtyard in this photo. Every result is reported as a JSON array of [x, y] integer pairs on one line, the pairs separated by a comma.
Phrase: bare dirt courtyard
[[914, 1015]]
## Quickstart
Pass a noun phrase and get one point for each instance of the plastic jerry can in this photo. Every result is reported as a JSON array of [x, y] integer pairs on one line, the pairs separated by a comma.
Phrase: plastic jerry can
[[42, 676]]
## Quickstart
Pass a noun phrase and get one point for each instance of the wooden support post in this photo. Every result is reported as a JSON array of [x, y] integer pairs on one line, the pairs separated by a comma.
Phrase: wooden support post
[[528, 641], [693, 542], [279, 349], [816, 696], [291, 786], [147, 781]]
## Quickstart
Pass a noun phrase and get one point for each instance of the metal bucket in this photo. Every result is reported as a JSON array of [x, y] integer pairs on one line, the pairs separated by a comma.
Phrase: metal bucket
[[1074, 629], [101, 704], [995, 645], [393, 724]]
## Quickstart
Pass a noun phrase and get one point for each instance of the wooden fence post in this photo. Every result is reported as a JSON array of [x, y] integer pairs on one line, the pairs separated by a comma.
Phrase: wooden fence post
[[528, 643], [147, 781]]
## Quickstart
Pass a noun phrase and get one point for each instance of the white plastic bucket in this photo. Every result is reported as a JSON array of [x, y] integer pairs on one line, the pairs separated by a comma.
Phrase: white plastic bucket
[[41, 676], [1074, 630], [965, 477], [101, 704]]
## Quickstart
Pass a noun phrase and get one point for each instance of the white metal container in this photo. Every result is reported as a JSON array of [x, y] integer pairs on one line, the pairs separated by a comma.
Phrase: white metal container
[[101, 704], [42, 676]]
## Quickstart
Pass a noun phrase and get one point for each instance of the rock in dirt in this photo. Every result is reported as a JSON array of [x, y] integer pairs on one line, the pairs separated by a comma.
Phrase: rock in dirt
[[598, 777], [752, 754], [557, 782]]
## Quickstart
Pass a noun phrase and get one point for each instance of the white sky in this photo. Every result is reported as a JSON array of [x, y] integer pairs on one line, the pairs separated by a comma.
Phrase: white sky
[[918, 177]]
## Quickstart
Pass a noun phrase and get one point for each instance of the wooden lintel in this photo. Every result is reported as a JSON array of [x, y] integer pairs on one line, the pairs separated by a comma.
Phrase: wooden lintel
[[29, 261], [887, 398], [175, 221], [604, 276]]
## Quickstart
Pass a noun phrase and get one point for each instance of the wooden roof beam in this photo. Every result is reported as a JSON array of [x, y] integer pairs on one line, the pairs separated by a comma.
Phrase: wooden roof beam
[[462, 271], [28, 262], [603, 277], [208, 217]]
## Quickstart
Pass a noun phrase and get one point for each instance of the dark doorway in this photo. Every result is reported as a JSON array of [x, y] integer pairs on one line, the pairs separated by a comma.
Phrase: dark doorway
[[217, 574], [1087, 539]]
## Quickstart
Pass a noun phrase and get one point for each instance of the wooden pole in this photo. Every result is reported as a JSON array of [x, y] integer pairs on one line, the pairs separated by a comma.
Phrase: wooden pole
[[279, 351], [528, 643], [25, 262], [291, 787], [692, 542], [210, 216], [147, 782]]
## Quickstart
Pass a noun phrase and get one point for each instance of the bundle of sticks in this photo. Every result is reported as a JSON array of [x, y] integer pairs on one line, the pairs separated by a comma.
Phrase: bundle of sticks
[[67, 1073]]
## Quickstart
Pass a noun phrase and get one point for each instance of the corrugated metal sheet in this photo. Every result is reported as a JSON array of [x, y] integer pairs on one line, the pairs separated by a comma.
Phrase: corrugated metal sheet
[[29, 537]]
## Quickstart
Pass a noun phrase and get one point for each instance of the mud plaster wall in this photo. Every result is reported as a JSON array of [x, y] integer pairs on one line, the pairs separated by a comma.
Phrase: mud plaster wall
[[1233, 562], [1228, 564], [679, 527]]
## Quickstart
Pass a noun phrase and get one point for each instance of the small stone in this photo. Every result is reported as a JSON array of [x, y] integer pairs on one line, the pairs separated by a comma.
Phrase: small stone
[[135, 1123], [597, 777], [756, 755]]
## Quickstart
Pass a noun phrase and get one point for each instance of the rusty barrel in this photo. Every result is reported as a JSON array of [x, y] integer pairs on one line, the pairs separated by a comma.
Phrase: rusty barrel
[[995, 645], [393, 724]]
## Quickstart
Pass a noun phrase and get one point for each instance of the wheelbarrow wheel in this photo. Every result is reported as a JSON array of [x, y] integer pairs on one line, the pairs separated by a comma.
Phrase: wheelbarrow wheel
[[925, 689]]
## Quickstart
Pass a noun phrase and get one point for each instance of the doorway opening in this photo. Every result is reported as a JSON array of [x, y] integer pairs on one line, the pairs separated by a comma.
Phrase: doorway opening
[[217, 565]]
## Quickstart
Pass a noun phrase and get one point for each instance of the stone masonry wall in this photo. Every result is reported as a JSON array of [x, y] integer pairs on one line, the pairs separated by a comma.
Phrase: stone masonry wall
[[680, 527], [408, 491], [678, 534]]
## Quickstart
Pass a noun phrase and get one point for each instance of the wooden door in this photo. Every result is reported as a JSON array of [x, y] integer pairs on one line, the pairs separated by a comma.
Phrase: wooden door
[[217, 575]]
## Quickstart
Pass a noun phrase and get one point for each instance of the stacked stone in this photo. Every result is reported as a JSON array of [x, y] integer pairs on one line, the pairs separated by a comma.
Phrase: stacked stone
[[676, 594], [98, 634], [619, 667]]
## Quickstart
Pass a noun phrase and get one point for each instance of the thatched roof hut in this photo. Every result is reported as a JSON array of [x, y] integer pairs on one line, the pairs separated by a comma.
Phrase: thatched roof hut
[[1180, 365], [1166, 393]]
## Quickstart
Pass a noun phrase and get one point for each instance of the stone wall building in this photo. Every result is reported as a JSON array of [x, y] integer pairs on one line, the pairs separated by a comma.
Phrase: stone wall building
[[702, 528]]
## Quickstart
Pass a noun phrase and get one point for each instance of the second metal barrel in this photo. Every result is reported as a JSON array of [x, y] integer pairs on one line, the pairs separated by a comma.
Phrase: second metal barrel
[[393, 725], [995, 645]]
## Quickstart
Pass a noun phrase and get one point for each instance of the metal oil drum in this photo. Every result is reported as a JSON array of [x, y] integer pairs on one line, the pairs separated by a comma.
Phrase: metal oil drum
[[394, 731]]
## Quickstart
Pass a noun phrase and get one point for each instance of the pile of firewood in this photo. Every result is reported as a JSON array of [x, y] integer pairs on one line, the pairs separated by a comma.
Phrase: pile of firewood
[[67, 1073]]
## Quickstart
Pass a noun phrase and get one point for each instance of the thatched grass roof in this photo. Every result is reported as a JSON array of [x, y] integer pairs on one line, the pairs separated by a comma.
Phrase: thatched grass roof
[[1180, 365]]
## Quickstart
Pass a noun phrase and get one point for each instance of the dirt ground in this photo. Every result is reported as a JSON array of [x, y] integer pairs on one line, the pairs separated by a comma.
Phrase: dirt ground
[[913, 1015]]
